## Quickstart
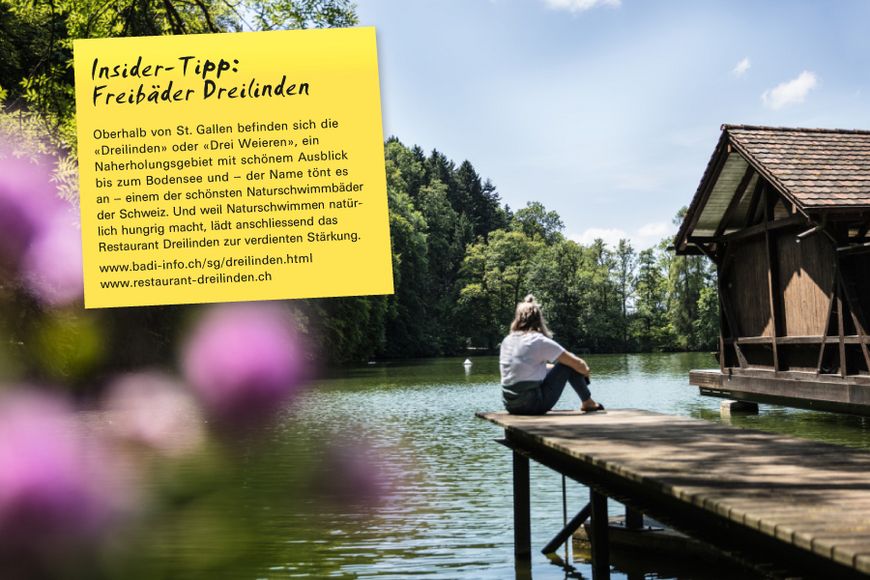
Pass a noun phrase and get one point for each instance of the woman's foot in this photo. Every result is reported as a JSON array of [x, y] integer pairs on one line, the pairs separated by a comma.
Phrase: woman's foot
[[590, 406]]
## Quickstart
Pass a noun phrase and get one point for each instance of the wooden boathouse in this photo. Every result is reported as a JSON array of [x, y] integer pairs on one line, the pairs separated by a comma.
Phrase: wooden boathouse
[[784, 214]]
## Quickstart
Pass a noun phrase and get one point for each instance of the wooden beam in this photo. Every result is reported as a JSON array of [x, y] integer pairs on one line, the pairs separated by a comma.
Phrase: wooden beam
[[862, 335], [786, 388], [522, 508], [852, 250], [735, 200], [750, 340], [841, 330], [827, 322], [568, 530], [725, 308], [753, 202], [857, 315], [795, 220], [720, 270], [754, 340], [771, 285], [600, 535]]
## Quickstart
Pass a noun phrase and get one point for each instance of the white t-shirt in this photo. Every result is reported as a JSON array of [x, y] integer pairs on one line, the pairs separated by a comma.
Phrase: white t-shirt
[[524, 357]]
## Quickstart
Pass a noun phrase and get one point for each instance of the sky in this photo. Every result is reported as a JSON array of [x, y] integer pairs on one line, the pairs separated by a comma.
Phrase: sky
[[607, 111]]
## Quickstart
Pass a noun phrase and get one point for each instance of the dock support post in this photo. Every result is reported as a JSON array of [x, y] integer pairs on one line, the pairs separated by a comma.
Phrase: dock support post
[[633, 519], [600, 539], [522, 509], [729, 407]]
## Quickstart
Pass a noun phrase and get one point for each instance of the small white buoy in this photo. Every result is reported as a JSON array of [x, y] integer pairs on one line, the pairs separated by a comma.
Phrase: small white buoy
[[467, 362]]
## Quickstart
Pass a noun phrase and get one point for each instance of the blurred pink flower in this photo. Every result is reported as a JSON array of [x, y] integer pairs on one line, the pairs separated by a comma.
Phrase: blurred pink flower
[[52, 265], [244, 361], [153, 409], [40, 240], [57, 491], [27, 199]]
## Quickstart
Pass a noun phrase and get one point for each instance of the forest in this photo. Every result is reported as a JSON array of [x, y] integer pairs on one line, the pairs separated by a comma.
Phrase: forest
[[462, 258]]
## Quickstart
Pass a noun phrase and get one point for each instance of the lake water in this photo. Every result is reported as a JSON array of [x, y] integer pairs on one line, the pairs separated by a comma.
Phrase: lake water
[[447, 511]]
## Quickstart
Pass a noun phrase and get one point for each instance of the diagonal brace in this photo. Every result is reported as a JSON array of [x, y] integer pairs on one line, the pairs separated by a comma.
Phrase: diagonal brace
[[569, 529]]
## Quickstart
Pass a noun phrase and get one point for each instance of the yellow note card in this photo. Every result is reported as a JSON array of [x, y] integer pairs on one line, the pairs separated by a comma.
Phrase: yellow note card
[[231, 167]]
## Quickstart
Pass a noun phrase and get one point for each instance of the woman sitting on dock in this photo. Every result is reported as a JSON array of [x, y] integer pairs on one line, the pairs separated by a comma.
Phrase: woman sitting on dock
[[528, 388]]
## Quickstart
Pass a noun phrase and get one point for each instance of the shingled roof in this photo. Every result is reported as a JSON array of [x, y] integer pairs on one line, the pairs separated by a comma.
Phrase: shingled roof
[[817, 170]]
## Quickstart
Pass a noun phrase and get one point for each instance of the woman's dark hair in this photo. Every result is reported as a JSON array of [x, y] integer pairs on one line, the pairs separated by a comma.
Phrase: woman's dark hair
[[529, 317]]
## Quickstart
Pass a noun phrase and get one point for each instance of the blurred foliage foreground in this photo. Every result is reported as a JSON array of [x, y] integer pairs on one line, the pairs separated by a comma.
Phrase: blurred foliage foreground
[[113, 465], [135, 442]]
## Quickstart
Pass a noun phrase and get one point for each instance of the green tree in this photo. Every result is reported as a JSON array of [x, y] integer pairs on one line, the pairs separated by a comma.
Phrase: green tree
[[555, 279], [447, 234], [347, 329], [38, 70], [650, 324], [407, 331], [405, 167], [495, 276], [600, 296], [536, 222], [479, 200], [688, 276], [706, 326], [491, 214], [625, 261], [440, 168]]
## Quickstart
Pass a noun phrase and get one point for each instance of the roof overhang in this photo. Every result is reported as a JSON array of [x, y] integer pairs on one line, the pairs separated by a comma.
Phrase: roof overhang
[[728, 192]]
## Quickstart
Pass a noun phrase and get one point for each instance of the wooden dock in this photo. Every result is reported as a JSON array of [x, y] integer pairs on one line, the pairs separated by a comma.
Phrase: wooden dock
[[792, 389], [791, 507]]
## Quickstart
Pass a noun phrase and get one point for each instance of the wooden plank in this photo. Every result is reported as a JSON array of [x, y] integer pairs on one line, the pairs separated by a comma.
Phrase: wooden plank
[[803, 376], [706, 378], [805, 280], [748, 291], [813, 497], [834, 395], [849, 339]]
